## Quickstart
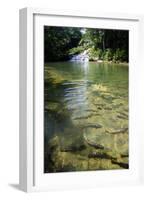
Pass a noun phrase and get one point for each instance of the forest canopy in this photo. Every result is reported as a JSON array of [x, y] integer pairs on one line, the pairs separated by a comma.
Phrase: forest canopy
[[61, 43]]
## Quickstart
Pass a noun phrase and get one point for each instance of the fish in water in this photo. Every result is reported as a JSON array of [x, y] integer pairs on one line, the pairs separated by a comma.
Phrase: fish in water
[[121, 116], [123, 113], [86, 117], [121, 164], [91, 110], [92, 143], [92, 125], [82, 117], [73, 148], [122, 130], [100, 155]]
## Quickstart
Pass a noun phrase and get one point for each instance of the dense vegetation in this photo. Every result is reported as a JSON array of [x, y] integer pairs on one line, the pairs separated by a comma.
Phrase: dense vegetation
[[58, 41], [61, 43]]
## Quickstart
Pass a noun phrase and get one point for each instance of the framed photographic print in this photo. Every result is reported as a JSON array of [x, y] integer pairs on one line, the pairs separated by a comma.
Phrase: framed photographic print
[[79, 97]]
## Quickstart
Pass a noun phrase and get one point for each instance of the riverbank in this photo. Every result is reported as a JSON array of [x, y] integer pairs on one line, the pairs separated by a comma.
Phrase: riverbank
[[98, 61], [111, 62], [98, 55]]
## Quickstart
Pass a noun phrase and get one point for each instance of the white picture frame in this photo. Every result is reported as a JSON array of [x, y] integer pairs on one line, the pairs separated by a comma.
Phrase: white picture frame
[[31, 176]]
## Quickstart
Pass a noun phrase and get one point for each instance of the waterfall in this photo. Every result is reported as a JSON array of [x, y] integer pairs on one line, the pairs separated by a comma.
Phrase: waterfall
[[82, 57]]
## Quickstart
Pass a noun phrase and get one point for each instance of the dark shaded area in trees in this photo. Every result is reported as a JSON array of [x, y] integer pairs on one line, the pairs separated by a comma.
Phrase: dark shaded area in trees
[[60, 43]]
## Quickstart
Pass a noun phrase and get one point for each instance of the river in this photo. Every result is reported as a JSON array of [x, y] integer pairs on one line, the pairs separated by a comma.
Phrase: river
[[85, 116]]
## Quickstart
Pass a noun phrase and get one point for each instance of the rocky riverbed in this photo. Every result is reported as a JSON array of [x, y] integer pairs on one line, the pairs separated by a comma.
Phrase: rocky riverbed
[[86, 119]]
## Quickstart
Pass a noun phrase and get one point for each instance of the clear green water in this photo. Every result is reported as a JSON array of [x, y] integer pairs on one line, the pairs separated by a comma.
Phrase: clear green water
[[85, 116]]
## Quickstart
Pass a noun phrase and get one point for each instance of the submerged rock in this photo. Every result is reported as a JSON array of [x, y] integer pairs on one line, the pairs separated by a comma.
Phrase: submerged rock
[[98, 88], [81, 155], [52, 106]]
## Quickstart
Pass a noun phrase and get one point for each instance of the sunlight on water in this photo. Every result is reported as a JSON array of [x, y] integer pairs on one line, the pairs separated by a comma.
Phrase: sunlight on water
[[86, 116]]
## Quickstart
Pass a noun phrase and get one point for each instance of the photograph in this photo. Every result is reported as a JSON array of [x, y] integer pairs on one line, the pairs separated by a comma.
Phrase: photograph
[[86, 99]]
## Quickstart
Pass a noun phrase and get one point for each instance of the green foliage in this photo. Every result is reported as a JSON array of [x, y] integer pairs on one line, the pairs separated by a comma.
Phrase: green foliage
[[95, 54], [76, 50], [58, 41], [119, 55], [101, 44], [108, 55]]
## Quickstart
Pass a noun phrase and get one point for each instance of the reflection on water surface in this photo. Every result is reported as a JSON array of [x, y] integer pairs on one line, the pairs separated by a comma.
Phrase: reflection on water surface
[[86, 116]]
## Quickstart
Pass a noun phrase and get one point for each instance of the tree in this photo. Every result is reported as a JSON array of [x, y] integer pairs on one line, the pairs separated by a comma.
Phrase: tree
[[58, 41], [62, 42]]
